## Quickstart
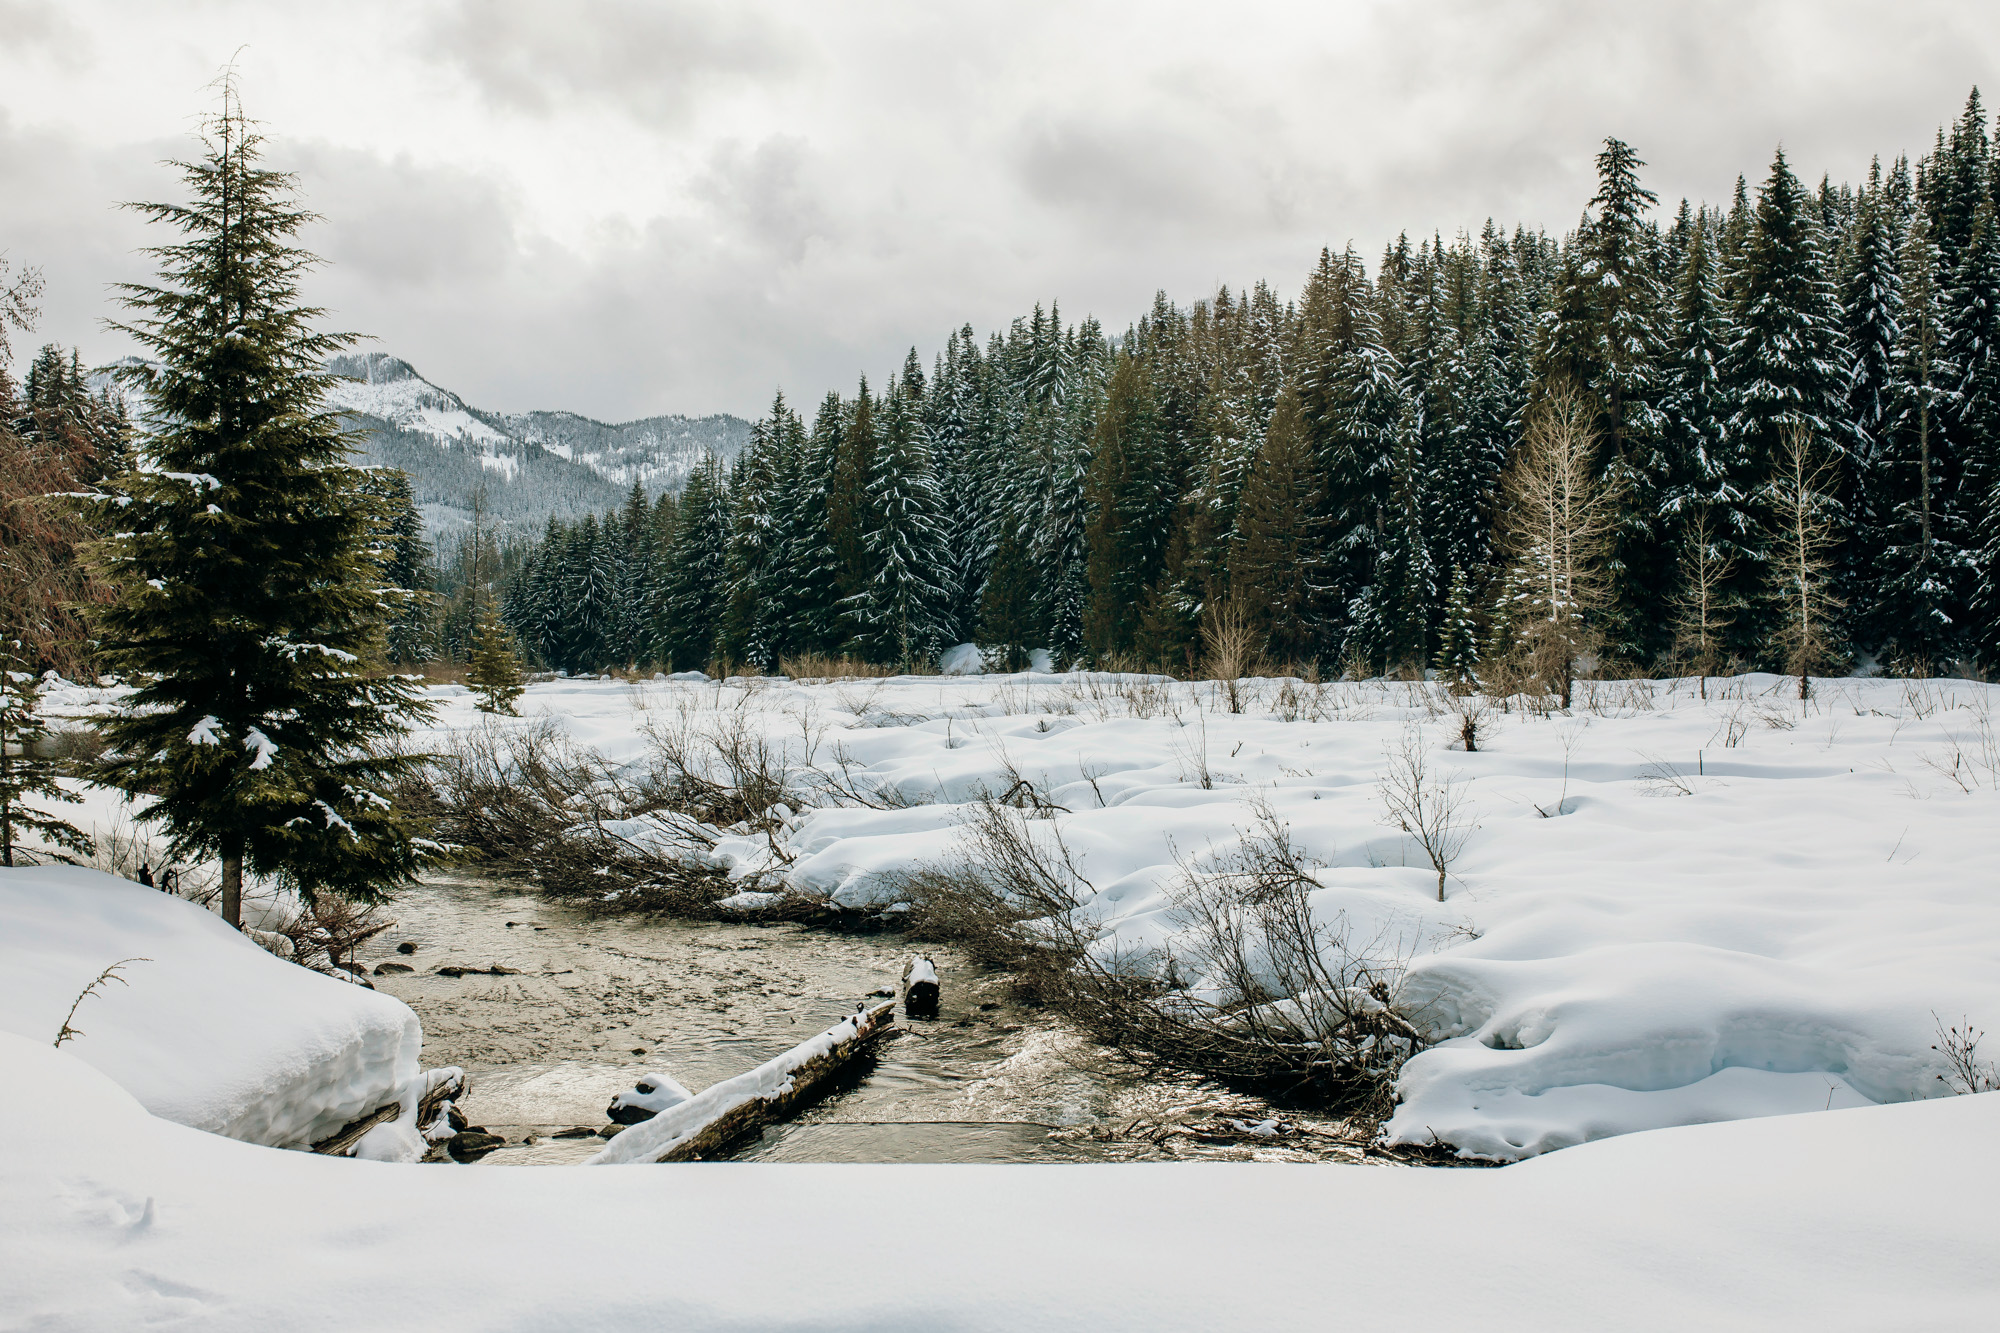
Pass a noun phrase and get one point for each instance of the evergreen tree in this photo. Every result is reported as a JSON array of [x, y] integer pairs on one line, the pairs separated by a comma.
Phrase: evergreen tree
[[902, 608], [1130, 509], [1457, 660], [248, 602], [406, 557], [496, 672], [1783, 370], [697, 575], [25, 774], [1352, 397], [1267, 560]]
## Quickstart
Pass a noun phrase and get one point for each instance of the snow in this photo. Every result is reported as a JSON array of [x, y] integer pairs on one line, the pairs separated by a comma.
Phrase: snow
[[965, 659], [209, 1030], [1671, 910], [655, 1091], [1876, 1218], [922, 972]]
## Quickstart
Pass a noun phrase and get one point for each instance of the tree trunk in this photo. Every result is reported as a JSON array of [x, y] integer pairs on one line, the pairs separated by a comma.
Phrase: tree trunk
[[232, 888]]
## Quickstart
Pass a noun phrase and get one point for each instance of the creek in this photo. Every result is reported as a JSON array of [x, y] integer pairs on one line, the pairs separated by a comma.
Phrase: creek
[[591, 1003]]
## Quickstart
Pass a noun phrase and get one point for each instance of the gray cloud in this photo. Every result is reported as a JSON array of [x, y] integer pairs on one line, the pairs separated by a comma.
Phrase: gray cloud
[[627, 209], [650, 60]]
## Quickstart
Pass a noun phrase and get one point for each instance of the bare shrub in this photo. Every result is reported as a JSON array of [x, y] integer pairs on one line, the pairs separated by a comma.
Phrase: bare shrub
[[1660, 778], [824, 666], [332, 927], [1472, 713], [1231, 647], [1255, 989], [1965, 1071], [1428, 806], [111, 973]]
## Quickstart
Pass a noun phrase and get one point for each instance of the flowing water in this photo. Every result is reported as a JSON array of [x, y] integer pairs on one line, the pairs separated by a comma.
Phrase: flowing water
[[595, 1002]]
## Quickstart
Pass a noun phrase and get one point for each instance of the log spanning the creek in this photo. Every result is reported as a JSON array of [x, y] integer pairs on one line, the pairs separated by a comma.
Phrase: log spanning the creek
[[714, 1117]]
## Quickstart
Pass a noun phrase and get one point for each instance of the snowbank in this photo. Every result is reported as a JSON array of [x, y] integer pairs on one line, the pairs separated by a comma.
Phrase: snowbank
[[1859, 1220], [210, 1031], [1673, 909]]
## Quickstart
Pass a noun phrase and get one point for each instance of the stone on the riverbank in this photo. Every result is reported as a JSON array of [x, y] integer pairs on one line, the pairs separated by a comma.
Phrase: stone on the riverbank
[[472, 1144]]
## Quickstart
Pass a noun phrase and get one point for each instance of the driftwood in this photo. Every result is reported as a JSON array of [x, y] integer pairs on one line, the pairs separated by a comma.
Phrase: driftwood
[[341, 1144], [718, 1116]]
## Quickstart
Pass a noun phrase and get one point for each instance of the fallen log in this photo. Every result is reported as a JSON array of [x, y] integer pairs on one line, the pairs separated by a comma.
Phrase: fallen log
[[920, 987], [713, 1118], [439, 1085]]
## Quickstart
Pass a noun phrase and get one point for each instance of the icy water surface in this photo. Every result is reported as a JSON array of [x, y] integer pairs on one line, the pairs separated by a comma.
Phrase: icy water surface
[[596, 1002]]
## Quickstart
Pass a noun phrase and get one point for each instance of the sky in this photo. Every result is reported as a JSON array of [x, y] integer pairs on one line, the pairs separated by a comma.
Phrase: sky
[[625, 208]]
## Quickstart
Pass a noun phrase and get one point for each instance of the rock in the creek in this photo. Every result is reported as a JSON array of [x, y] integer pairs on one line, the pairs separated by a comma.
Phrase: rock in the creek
[[407, 946], [920, 987], [385, 969], [472, 1144], [498, 971], [610, 1131], [638, 1050], [574, 1132], [652, 1094], [455, 971]]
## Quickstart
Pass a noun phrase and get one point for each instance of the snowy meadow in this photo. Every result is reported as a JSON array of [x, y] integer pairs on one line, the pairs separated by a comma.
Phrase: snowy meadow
[[1680, 902]]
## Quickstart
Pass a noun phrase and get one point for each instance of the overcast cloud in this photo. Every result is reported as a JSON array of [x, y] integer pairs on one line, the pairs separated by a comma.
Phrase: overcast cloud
[[625, 208]]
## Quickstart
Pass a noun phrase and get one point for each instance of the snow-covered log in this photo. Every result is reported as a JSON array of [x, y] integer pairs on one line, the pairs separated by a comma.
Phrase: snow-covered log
[[434, 1089], [718, 1115], [921, 994]]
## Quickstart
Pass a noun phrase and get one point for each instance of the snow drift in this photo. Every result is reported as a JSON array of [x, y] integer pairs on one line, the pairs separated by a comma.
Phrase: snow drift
[[210, 1031]]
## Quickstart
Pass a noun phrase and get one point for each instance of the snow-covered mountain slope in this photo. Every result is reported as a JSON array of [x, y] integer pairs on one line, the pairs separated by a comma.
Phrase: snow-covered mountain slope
[[533, 465]]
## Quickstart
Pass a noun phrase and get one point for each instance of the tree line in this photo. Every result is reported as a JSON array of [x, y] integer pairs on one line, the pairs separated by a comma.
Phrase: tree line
[[1786, 421]]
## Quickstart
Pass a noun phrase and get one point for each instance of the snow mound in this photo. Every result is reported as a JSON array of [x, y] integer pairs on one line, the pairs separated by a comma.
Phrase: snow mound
[[210, 1031]]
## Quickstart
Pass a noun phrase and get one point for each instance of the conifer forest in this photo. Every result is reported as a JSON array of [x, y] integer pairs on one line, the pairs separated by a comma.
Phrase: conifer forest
[[1785, 407]]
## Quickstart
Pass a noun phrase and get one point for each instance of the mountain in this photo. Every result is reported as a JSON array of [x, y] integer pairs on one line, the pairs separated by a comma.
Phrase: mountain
[[533, 464]]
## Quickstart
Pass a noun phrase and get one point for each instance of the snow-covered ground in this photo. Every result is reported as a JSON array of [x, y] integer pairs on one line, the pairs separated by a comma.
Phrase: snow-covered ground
[[200, 1025], [1669, 909], [110, 1219]]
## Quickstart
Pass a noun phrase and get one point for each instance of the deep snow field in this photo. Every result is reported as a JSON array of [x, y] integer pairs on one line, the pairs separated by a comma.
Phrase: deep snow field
[[1668, 911]]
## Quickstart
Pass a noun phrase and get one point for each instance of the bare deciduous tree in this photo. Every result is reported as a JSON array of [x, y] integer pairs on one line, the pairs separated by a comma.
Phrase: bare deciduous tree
[[1428, 806], [1556, 523], [1699, 614], [1801, 498]]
